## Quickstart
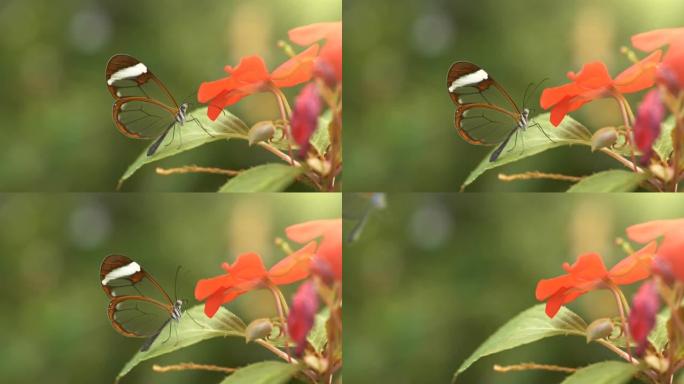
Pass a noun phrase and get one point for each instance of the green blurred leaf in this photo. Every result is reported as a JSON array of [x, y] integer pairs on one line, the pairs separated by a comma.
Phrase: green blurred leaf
[[318, 336], [615, 180], [263, 178], [663, 145], [321, 137], [658, 336], [569, 132], [531, 325], [605, 372], [190, 332], [266, 372], [226, 126]]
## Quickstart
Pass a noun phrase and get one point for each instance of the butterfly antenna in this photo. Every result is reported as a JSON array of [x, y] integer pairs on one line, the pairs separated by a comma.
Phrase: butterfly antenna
[[536, 87], [527, 89], [175, 283]]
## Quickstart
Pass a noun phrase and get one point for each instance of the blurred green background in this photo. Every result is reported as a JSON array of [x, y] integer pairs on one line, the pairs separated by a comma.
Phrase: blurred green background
[[400, 134], [433, 275], [57, 132], [54, 310]]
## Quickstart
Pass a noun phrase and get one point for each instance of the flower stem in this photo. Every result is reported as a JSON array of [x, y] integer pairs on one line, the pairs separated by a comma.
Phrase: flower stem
[[626, 114], [625, 327]]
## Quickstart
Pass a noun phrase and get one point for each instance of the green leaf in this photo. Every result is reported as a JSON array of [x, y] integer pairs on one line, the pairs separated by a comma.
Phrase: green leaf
[[615, 180], [658, 336], [318, 337], [569, 132], [266, 372], [663, 145], [531, 325], [605, 372], [321, 137], [263, 178], [191, 135], [190, 330]]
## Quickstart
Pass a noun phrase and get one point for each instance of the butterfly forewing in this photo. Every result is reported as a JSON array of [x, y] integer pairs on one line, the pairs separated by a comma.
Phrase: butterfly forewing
[[485, 113], [143, 106], [139, 307]]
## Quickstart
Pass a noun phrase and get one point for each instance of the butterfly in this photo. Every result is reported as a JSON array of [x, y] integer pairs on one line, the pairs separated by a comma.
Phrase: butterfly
[[481, 119], [138, 305], [143, 107]]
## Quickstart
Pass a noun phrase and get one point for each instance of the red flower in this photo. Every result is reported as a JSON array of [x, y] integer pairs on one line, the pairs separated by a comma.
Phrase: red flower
[[251, 76], [671, 71], [588, 273], [329, 62], [647, 125], [305, 116], [642, 317], [248, 273], [670, 255], [594, 82], [328, 261], [302, 314]]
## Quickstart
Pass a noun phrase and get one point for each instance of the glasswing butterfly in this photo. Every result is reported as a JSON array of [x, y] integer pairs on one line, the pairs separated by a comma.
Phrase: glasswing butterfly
[[482, 117], [138, 306], [143, 107]]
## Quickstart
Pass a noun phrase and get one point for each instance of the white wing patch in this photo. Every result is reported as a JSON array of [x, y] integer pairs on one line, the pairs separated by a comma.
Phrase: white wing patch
[[469, 79], [126, 270], [127, 73]]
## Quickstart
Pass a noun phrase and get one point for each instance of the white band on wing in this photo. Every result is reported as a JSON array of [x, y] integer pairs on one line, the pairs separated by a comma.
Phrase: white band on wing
[[127, 73], [126, 270], [469, 79]]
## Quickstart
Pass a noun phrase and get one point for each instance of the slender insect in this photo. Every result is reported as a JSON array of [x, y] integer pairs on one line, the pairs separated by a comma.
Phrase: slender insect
[[138, 306], [479, 118], [143, 107]]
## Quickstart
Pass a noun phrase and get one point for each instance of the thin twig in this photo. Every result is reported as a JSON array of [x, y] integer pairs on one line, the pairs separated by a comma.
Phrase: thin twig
[[191, 366], [532, 366], [538, 175], [196, 169]]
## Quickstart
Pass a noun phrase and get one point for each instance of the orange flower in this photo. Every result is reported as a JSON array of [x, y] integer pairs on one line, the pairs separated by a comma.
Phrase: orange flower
[[670, 255], [594, 82], [251, 76], [328, 260], [588, 273], [329, 62], [672, 68], [248, 273]]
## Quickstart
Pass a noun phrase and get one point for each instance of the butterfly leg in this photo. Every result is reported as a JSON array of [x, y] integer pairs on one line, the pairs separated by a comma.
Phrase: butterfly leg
[[196, 121], [169, 335], [194, 321], [544, 132]]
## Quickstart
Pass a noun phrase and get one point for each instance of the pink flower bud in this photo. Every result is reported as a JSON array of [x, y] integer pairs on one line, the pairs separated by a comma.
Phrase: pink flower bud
[[647, 126], [642, 318], [305, 116], [301, 317]]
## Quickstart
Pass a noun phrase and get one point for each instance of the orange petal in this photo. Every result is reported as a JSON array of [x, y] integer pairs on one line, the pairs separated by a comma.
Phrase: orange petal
[[248, 266], [307, 231], [593, 75], [296, 70], [651, 230], [553, 95], [294, 267], [212, 304], [250, 70], [634, 267], [312, 33], [549, 287], [210, 89], [639, 76], [207, 287], [651, 40]]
